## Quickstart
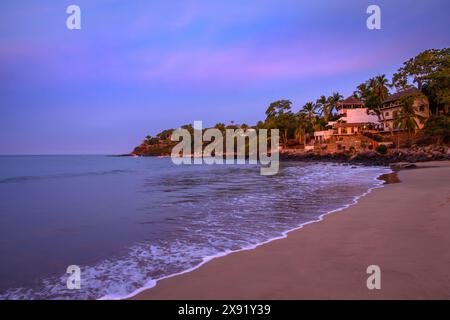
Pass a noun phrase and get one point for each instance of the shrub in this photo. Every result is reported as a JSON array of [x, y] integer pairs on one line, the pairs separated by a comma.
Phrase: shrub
[[437, 128], [373, 136], [381, 149], [377, 138]]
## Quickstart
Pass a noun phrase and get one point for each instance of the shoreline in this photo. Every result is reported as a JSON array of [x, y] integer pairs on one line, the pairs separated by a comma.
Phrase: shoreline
[[382, 179], [366, 158], [196, 283]]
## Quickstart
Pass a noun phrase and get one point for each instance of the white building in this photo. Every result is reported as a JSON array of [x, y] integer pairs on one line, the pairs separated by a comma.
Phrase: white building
[[323, 136], [352, 110]]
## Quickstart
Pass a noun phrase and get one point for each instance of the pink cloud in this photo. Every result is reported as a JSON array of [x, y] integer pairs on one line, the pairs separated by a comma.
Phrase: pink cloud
[[238, 63], [247, 64]]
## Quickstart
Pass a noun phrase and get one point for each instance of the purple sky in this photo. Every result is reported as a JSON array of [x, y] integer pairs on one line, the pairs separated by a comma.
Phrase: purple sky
[[137, 67]]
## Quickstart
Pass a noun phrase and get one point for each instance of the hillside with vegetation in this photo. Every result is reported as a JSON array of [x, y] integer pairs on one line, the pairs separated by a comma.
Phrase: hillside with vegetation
[[429, 72]]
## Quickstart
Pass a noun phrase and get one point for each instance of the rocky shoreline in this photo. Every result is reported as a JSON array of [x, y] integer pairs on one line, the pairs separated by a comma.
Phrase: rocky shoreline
[[369, 158], [372, 158]]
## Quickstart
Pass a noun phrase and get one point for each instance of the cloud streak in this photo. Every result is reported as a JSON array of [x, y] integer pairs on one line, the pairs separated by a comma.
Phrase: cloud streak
[[219, 65]]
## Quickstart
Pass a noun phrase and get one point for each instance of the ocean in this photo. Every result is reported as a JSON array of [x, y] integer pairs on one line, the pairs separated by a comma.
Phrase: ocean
[[128, 222]]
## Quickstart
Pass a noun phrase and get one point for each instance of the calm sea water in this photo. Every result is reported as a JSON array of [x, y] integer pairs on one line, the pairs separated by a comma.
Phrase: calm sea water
[[130, 221]]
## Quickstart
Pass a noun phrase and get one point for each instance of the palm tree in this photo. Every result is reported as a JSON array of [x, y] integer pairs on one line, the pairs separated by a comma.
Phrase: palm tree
[[380, 86], [408, 115], [322, 104], [381, 91], [301, 132], [310, 111], [362, 91], [376, 92], [260, 125], [333, 101], [220, 126]]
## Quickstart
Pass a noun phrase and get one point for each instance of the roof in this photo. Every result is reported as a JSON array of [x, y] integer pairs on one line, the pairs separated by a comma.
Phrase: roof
[[351, 100], [401, 94]]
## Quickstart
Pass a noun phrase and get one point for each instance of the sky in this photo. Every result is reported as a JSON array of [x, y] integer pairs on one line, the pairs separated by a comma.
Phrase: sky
[[138, 67]]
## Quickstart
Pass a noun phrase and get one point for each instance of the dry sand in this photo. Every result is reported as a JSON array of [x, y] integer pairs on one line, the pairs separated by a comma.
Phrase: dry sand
[[404, 228]]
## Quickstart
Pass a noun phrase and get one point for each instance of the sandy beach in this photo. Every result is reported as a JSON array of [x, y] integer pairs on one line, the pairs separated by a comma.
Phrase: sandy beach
[[403, 228]]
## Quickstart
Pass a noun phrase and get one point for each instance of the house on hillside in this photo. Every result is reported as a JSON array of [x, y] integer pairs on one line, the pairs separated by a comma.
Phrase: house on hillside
[[354, 119], [353, 110], [392, 107], [323, 136]]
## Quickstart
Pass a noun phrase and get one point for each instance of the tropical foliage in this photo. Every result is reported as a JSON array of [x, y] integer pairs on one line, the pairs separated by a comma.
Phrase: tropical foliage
[[409, 117], [429, 71], [437, 128], [279, 116], [373, 92]]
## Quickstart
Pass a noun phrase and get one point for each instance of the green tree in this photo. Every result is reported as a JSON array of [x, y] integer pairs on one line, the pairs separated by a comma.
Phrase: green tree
[[380, 89], [189, 128], [423, 68], [260, 125], [438, 128], [304, 128], [408, 117], [333, 101], [362, 91], [150, 140], [430, 70], [310, 112], [232, 126], [165, 134], [279, 116], [220, 126], [381, 149], [400, 82], [323, 107], [374, 92]]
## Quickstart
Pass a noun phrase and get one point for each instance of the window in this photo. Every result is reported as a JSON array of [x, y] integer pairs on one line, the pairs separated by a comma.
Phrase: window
[[395, 114], [387, 114], [422, 108]]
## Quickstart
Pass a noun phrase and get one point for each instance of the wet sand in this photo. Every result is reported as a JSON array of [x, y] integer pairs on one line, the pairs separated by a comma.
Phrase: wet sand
[[404, 228]]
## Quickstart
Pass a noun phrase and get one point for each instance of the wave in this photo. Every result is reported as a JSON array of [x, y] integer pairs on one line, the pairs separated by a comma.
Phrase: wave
[[209, 235], [153, 282]]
